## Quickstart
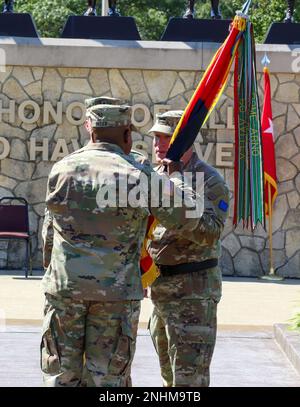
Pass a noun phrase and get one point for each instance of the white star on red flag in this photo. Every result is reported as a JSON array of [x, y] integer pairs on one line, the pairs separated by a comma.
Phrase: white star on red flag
[[270, 130]]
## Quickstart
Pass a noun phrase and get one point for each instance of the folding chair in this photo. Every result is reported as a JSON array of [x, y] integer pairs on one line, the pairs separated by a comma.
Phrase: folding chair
[[14, 224]]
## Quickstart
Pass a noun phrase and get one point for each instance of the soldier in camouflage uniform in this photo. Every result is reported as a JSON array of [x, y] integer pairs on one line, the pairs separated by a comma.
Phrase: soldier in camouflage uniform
[[112, 8], [214, 13], [8, 6], [47, 232], [92, 282], [186, 294]]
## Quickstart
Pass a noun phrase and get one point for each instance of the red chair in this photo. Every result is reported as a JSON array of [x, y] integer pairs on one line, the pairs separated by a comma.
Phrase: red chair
[[14, 224]]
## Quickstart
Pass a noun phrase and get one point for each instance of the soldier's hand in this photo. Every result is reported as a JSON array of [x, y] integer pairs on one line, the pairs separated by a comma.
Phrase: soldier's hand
[[172, 166]]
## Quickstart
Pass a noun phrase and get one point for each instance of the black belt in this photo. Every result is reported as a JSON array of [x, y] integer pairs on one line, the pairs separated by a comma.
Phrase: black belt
[[185, 268]]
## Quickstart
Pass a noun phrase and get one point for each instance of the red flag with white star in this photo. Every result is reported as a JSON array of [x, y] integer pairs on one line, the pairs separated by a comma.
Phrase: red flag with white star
[[268, 145]]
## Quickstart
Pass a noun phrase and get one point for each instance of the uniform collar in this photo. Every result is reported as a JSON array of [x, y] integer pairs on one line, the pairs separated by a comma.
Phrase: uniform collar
[[191, 164], [188, 166], [104, 147]]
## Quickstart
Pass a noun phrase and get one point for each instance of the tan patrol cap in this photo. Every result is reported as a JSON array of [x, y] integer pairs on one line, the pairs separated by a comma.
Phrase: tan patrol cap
[[109, 115], [105, 111], [166, 122], [102, 100]]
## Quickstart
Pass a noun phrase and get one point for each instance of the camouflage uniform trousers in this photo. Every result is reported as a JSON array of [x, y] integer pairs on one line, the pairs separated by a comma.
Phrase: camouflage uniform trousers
[[88, 343], [183, 327]]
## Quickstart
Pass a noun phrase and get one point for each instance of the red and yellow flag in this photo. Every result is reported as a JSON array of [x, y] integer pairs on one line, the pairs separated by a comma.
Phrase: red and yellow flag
[[270, 177], [207, 94], [149, 271], [196, 113], [238, 45]]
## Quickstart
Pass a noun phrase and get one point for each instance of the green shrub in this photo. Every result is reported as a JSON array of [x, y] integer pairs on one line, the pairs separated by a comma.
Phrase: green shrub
[[151, 15], [295, 322]]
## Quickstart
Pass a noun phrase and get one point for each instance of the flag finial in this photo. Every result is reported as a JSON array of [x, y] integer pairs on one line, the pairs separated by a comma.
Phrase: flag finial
[[265, 61]]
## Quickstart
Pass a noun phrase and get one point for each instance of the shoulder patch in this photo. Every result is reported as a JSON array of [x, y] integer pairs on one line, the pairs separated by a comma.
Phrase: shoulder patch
[[223, 205]]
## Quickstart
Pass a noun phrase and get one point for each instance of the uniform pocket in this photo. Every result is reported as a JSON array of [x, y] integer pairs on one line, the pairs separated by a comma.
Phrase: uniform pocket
[[194, 322], [121, 359], [50, 360]]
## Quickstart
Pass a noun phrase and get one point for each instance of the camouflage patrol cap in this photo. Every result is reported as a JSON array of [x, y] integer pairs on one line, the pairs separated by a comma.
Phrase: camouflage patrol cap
[[166, 122], [109, 115], [102, 100]]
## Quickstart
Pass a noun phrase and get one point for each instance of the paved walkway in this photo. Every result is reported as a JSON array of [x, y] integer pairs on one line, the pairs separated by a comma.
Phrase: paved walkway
[[245, 301], [246, 353], [241, 359]]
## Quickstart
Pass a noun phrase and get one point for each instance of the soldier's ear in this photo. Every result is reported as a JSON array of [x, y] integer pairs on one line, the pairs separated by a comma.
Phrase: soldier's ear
[[127, 140], [126, 135], [88, 125]]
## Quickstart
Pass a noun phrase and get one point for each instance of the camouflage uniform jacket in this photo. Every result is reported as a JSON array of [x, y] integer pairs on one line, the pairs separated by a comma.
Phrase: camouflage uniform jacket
[[94, 251], [168, 247]]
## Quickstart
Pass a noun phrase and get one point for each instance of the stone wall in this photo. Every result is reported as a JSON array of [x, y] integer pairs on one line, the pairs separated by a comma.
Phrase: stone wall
[[34, 133]]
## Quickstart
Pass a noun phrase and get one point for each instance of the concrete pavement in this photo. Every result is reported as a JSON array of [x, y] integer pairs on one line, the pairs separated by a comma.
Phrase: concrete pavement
[[241, 359], [245, 301], [245, 355]]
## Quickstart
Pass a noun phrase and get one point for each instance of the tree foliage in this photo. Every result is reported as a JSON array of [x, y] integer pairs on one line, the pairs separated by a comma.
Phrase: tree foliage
[[151, 15], [295, 322], [50, 15]]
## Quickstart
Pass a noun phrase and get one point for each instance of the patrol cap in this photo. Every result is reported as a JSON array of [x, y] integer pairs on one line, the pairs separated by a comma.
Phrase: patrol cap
[[166, 122], [110, 116], [102, 100]]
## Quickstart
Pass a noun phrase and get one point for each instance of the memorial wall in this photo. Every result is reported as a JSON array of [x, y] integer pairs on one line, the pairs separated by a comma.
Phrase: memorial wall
[[43, 84]]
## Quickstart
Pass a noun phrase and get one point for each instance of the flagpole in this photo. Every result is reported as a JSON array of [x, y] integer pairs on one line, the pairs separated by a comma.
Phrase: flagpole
[[104, 7], [272, 273], [271, 276]]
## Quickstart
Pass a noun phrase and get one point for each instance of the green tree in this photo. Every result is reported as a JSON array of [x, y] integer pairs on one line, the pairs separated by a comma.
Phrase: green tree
[[50, 15], [151, 15]]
